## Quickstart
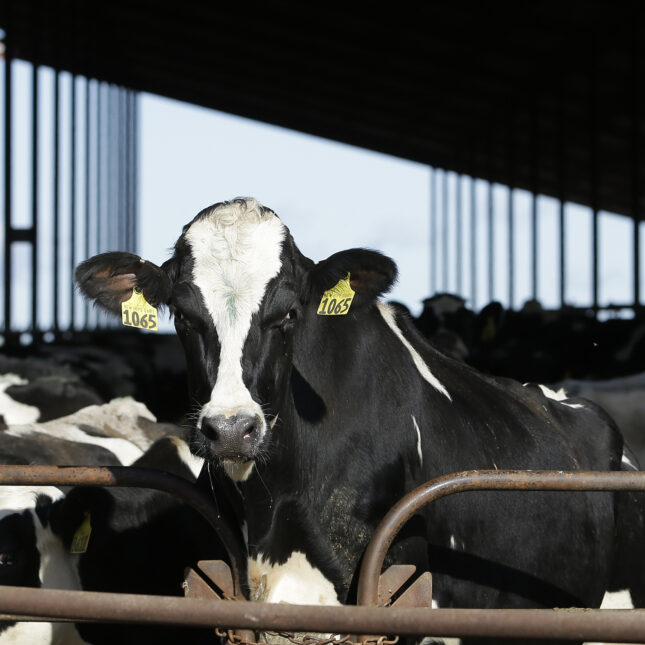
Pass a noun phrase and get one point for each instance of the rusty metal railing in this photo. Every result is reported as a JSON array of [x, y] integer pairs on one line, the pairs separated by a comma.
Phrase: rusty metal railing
[[128, 476], [576, 624], [581, 624]]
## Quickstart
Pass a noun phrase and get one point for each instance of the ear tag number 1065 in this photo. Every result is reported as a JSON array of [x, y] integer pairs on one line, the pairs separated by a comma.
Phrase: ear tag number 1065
[[138, 312], [337, 300]]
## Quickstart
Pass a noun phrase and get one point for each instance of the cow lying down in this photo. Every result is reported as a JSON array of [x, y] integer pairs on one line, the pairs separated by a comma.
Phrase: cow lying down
[[114, 433], [324, 406], [140, 542]]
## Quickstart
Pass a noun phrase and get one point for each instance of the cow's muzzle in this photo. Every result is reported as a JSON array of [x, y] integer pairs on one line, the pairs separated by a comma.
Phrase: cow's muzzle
[[234, 438]]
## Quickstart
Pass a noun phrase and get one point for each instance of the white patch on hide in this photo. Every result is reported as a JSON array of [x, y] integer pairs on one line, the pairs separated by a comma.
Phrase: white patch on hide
[[560, 396], [615, 600], [296, 582], [237, 471], [125, 451], [388, 315], [58, 569], [14, 411], [626, 461], [193, 463], [416, 427]]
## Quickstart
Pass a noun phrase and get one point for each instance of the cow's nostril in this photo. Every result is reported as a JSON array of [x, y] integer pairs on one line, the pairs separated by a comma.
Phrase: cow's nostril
[[209, 430], [249, 428]]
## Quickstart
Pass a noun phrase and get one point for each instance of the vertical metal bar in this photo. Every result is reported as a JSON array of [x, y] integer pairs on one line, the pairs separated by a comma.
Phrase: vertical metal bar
[[8, 69], [122, 169], [129, 178], [561, 191], [56, 223], [511, 247], [126, 169], [510, 211], [99, 165], [99, 168], [109, 169], [459, 269], [134, 213], [86, 250], [34, 197], [73, 202], [433, 230], [491, 244], [446, 238], [635, 163], [534, 191], [593, 160], [473, 241]]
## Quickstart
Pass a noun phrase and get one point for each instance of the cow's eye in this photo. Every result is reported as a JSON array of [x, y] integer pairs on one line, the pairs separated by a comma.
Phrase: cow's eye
[[180, 317], [288, 320]]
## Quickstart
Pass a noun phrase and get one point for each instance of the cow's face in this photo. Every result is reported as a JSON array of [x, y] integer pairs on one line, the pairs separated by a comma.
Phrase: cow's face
[[235, 300], [237, 287]]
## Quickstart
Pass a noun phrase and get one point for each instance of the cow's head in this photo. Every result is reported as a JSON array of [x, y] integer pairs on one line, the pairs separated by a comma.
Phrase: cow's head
[[238, 288]]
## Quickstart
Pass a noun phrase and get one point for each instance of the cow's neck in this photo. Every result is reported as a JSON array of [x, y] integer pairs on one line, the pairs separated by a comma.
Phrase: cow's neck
[[293, 502]]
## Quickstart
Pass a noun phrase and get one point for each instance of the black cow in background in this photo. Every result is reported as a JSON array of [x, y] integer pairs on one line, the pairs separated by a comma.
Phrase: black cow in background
[[533, 344], [323, 422]]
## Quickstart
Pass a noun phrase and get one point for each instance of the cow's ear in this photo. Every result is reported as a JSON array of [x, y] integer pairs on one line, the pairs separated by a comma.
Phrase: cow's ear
[[108, 280], [371, 274], [81, 503]]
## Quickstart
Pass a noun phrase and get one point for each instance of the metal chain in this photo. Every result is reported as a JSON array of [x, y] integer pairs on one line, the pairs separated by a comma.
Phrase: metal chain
[[306, 639]]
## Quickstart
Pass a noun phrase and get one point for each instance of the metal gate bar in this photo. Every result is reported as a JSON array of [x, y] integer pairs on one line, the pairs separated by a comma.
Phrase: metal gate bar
[[500, 480], [575, 624], [128, 476], [580, 624]]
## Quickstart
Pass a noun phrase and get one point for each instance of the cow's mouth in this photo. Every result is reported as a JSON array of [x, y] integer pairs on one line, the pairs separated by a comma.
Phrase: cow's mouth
[[236, 459], [237, 467]]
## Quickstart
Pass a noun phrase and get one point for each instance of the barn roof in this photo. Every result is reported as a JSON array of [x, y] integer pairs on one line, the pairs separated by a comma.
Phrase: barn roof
[[541, 95]]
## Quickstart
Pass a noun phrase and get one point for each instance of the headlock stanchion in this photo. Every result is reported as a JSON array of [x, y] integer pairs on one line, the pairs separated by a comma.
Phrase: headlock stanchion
[[574, 624]]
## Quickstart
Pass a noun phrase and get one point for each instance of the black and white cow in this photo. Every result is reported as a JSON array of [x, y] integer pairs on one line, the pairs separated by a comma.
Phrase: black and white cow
[[140, 542], [324, 422]]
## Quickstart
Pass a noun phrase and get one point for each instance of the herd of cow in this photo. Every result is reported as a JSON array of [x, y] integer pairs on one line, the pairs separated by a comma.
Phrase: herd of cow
[[316, 406]]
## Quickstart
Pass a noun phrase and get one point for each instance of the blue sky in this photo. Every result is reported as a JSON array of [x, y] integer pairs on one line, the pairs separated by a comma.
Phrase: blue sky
[[334, 196]]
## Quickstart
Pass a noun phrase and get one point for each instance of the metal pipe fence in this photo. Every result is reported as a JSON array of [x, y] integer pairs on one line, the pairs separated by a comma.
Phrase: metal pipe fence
[[574, 624], [69, 191]]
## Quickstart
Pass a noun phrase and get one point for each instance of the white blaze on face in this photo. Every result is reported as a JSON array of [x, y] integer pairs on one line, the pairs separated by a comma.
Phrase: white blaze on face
[[236, 251]]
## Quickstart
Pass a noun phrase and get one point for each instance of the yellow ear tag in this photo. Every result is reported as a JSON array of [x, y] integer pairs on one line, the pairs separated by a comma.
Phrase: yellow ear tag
[[82, 536], [138, 312], [337, 300]]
